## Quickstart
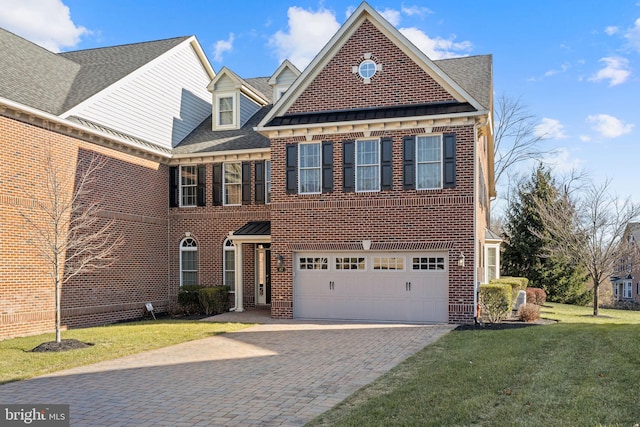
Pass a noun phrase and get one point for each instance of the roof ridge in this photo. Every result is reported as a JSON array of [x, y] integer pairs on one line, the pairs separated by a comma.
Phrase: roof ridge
[[123, 45]]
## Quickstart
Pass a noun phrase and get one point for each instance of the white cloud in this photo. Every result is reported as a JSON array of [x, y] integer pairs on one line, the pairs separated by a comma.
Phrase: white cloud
[[563, 68], [44, 22], [633, 35], [608, 126], [436, 48], [221, 47], [415, 10], [617, 70], [562, 162], [307, 33], [550, 129], [611, 30], [391, 15]]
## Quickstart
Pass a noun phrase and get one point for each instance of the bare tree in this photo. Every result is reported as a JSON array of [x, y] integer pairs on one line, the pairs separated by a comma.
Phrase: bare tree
[[70, 233], [588, 226], [515, 136]]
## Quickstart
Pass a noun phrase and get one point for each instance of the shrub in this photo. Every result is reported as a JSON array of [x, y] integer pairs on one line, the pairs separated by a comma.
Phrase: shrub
[[496, 300], [517, 284], [529, 312], [584, 299], [214, 300], [188, 299], [536, 296]]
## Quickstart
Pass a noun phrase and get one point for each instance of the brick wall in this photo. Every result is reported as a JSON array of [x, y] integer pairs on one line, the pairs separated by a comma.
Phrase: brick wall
[[400, 82], [437, 218], [210, 226], [132, 193]]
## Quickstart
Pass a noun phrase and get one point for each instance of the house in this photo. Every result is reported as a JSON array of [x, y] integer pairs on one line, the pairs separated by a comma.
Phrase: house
[[357, 188], [626, 276]]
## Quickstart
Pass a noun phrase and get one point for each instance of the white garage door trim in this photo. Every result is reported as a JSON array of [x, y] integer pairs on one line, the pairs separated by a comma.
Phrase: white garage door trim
[[364, 285]]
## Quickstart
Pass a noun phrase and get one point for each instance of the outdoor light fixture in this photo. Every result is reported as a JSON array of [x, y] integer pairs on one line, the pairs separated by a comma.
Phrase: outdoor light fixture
[[461, 260], [280, 261]]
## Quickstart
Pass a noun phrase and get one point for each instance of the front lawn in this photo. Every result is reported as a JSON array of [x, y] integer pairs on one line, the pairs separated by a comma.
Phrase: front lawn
[[581, 373], [17, 362]]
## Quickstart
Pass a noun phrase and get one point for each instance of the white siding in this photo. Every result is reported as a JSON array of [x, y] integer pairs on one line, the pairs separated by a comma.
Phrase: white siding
[[247, 109], [160, 103]]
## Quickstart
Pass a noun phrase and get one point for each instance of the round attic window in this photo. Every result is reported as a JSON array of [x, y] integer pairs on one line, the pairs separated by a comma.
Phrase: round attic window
[[367, 69]]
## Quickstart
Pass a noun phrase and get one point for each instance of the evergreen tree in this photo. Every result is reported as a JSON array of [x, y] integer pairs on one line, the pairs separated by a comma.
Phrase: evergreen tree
[[526, 240]]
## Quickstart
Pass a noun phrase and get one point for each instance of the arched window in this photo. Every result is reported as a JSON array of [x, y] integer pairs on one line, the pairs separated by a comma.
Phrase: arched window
[[229, 264], [188, 262]]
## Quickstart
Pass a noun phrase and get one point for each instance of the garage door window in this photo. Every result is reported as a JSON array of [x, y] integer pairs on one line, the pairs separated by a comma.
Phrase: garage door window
[[388, 263], [427, 263], [350, 263], [308, 263]]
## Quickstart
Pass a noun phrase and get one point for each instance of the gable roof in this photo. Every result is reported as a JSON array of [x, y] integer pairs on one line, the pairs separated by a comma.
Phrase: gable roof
[[366, 13], [34, 76], [102, 67]]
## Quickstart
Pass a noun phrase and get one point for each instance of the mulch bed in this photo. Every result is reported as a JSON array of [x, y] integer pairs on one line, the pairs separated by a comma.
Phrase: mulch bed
[[64, 345], [505, 324]]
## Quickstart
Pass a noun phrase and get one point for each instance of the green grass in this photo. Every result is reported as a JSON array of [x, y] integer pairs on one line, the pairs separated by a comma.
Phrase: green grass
[[17, 362], [582, 371]]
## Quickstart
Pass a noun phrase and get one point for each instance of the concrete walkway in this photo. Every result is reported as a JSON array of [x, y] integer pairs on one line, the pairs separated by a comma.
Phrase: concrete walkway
[[277, 373]]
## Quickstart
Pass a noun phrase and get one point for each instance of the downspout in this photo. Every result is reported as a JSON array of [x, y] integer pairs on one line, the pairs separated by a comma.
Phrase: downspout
[[475, 223]]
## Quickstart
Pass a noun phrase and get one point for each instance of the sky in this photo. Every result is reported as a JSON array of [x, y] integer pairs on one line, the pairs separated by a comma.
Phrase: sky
[[574, 64]]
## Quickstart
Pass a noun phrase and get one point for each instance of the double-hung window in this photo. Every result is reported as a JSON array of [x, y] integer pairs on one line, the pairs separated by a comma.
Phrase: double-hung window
[[310, 169], [267, 181], [428, 162], [188, 262], [368, 165], [232, 183], [229, 265], [188, 185], [626, 289], [226, 114]]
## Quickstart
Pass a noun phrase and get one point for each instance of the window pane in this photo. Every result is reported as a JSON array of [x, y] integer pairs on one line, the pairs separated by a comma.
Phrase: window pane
[[310, 180], [233, 194], [232, 183], [368, 178], [232, 173], [429, 149], [268, 182], [230, 269], [189, 260], [309, 155], [225, 110], [189, 278], [429, 175], [367, 152]]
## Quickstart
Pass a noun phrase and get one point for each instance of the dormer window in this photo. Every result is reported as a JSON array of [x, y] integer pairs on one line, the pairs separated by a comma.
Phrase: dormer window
[[225, 114]]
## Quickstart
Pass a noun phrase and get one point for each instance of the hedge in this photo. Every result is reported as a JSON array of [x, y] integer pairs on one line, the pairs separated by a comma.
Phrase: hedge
[[207, 300], [517, 284]]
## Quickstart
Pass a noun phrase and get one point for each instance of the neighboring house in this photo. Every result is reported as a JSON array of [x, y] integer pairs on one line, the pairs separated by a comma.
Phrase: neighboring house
[[626, 277], [357, 188]]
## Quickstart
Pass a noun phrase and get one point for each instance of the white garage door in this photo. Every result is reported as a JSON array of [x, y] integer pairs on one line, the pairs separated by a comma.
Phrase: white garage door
[[409, 287]]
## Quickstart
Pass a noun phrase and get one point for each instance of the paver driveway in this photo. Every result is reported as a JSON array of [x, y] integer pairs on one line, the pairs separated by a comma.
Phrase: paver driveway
[[278, 373]]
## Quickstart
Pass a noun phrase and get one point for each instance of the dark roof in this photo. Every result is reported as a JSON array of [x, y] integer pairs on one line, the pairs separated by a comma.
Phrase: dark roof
[[54, 83], [473, 74], [205, 140], [262, 85], [34, 76], [372, 113], [254, 228], [104, 66]]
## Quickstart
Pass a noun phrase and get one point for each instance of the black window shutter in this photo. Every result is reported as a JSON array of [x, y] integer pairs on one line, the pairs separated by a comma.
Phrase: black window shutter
[[348, 166], [202, 185], [292, 169], [174, 186], [217, 184], [449, 160], [259, 182], [327, 166], [408, 162], [386, 164], [246, 183]]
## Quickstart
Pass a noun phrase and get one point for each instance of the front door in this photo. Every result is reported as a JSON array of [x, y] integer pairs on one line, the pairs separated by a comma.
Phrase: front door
[[263, 274]]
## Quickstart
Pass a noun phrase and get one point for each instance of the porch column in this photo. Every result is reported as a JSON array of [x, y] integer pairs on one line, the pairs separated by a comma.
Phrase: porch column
[[239, 296]]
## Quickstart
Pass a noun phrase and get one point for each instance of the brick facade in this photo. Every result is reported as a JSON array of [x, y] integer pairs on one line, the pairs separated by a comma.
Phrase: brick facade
[[132, 192]]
